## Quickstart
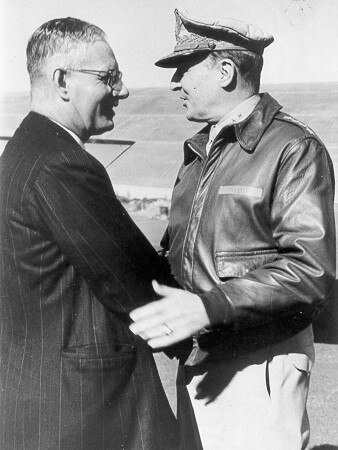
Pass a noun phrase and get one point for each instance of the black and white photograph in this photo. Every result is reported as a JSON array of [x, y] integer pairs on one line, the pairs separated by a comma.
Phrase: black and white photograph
[[168, 222]]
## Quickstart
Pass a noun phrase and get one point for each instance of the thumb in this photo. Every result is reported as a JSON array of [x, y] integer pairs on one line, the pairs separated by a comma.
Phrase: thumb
[[162, 289]]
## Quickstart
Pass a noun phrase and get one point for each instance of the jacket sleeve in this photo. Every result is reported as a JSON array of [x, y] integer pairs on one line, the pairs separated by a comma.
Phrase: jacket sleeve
[[301, 277], [83, 217]]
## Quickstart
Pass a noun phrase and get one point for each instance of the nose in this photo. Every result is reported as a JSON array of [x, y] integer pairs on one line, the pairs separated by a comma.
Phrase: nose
[[123, 93], [175, 83]]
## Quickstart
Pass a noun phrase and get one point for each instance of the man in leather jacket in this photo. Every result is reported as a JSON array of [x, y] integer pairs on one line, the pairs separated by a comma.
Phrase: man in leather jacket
[[251, 238]]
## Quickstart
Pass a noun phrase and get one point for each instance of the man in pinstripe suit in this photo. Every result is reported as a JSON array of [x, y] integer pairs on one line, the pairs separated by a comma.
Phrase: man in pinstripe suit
[[73, 265]]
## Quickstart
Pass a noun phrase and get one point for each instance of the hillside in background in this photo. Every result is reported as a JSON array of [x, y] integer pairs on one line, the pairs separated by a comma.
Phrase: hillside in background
[[152, 122], [143, 153]]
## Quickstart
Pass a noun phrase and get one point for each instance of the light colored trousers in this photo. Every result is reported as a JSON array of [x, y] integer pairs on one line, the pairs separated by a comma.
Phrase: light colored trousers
[[256, 402]]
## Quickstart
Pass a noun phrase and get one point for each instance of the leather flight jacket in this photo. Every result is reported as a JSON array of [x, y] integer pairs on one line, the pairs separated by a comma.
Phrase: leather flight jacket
[[252, 229]]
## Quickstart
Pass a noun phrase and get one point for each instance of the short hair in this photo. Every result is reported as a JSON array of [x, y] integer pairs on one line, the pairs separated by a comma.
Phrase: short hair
[[249, 65], [58, 36]]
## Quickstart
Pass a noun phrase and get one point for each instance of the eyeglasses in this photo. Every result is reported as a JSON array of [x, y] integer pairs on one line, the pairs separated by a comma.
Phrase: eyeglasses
[[111, 78]]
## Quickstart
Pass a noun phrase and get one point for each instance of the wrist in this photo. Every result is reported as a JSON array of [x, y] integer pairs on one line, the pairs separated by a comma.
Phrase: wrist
[[217, 306]]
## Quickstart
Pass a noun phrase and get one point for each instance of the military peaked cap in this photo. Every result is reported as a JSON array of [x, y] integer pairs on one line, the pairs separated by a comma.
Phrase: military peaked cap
[[194, 35]]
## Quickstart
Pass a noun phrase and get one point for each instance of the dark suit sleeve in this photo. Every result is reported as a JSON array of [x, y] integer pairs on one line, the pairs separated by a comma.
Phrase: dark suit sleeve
[[81, 214]]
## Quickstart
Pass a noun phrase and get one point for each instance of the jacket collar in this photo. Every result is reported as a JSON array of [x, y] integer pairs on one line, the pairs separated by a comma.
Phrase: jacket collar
[[248, 133], [43, 124], [196, 145]]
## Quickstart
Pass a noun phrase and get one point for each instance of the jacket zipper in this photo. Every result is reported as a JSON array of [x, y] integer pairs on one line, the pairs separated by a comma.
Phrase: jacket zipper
[[193, 209]]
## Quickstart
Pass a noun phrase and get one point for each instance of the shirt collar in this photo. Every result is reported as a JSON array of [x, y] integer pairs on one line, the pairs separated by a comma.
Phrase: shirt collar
[[248, 132], [236, 115]]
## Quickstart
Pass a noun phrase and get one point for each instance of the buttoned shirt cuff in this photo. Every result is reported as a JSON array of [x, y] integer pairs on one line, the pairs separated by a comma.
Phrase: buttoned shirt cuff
[[218, 307]]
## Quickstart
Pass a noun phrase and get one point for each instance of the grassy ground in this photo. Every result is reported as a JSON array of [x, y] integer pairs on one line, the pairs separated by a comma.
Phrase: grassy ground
[[323, 397]]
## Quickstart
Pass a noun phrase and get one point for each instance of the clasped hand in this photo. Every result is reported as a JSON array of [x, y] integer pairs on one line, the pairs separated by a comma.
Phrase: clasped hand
[[176, 316]]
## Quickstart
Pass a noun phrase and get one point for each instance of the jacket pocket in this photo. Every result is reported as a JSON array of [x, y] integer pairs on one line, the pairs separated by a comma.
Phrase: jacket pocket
[[93, 376], [96, 385], [238, 264], [100, 356]]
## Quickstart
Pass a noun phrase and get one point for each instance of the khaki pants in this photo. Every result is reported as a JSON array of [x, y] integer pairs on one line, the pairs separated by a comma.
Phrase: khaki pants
[[256, 402]]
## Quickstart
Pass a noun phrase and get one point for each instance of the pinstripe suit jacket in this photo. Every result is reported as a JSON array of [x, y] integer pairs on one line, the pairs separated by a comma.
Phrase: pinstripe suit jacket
[[73, 265]]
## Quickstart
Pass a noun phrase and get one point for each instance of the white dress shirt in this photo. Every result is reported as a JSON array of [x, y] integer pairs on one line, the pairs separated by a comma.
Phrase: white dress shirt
[[236, 115]]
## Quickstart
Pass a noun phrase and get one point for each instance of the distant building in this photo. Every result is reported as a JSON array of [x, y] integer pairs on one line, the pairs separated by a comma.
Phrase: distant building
[[157, 209]]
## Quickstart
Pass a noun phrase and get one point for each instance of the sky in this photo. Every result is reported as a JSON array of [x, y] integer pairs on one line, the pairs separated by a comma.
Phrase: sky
[[141, 31]]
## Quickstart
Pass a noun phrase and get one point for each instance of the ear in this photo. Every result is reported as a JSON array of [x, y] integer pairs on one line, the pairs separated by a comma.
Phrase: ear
[[60, 83], [228, 72]]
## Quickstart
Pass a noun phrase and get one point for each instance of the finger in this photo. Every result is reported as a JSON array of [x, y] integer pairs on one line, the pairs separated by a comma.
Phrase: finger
[[163, 290], [167, 340], [145, 326], [153, 320], [172, 332], [155, 332], [150, 309]]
